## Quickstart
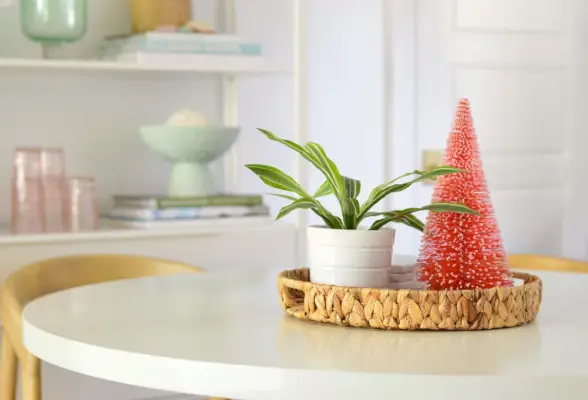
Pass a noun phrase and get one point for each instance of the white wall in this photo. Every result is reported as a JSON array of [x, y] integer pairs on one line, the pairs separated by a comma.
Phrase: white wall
[[346, 89], [576, 243]]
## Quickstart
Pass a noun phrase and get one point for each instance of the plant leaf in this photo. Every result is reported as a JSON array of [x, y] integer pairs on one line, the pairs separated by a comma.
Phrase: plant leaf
[[380, 192], [407, 219], [297, 204], [352, 187], [309, 203], [306, 154], [437, 172], [294, 146], [405, 216], [350, 210], [285, 196], [413, 222], [449, 207], [339, 185], [277, 179], [327, 167], [324, 190], [329, 219], [415, 172]]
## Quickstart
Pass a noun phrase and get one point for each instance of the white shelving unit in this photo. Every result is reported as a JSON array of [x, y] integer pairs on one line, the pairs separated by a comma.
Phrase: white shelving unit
[[230, 116], [229, 75], [111, 232], [95, 66]]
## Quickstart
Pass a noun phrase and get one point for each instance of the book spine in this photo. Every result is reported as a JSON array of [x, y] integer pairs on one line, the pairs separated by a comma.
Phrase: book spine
[[183, 46], [199, 48], [210, 201], [185, 213], [136, 203]]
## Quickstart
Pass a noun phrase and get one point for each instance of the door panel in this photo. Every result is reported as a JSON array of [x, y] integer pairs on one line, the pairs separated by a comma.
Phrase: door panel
[[511, 58]]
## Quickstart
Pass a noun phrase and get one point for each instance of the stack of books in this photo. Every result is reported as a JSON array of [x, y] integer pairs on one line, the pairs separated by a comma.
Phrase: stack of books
[[145, 212], [179, 48]]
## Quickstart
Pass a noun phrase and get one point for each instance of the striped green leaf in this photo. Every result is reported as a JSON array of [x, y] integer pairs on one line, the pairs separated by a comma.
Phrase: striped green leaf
[[350, 211], [433, 174], [294, 146], [403, 215], [439, 171], [347, 190], [284, 196], [298, 204], [324, 190], [449, 207], [329, 219], [407, 219], [415, 172], [277, 179], [311, 157], [352, 187], [340, 185], [327, 167], [380, 192]]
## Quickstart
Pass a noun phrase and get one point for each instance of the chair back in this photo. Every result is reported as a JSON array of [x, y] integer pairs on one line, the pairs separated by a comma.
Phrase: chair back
[[547, 263], [54, 275]]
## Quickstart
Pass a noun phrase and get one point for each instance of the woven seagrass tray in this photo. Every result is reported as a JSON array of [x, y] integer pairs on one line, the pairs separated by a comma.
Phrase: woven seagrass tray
[[409, 309]]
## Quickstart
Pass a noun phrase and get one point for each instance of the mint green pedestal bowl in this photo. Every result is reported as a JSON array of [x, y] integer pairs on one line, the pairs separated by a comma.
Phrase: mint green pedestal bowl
[[190, 149]]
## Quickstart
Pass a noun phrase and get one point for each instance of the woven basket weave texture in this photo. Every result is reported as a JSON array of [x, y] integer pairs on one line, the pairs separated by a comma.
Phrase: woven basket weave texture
[[406, 309]]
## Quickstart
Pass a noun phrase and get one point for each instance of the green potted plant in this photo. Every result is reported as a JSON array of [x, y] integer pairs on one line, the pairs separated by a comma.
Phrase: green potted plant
[[346, 251]]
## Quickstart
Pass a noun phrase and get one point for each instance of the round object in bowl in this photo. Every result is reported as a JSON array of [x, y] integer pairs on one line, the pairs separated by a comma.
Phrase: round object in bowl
[[189, 143]]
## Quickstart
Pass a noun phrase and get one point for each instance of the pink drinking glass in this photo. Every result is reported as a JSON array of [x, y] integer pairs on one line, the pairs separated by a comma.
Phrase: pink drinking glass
[[83, 204], [55, 194], [27, 192]]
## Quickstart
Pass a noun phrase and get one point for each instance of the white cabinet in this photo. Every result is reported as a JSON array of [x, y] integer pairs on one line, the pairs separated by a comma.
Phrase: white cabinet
[[239, 246]]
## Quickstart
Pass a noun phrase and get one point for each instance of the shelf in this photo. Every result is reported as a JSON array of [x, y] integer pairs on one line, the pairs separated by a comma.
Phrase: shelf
[[108, 233], [109, 66]]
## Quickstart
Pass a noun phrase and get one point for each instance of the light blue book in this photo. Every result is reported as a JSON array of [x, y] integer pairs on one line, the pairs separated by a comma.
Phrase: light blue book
[[146, 214], [183, 43]]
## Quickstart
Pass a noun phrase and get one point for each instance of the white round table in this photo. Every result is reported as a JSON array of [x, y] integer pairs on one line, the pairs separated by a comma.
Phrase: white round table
[[224, 334]]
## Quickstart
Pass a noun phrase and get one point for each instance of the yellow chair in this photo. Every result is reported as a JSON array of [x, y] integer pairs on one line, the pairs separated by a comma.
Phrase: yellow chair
[[547, 263], [50, 276]]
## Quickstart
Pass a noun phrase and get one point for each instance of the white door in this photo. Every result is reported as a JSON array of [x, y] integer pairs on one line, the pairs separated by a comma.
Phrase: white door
[[518, 63]]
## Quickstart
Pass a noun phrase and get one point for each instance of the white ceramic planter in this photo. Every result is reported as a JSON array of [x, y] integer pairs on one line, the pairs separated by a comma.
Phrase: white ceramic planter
[[359, 258]]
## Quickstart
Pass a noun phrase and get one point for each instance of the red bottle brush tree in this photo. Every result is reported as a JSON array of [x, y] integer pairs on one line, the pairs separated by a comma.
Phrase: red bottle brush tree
[[460, 251]]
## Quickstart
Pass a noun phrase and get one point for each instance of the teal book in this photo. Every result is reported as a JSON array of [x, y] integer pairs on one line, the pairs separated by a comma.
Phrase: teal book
[[181, 43], [161, 202]]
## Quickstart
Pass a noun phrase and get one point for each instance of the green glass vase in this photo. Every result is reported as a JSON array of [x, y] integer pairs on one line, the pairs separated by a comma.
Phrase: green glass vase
[[53, 23]]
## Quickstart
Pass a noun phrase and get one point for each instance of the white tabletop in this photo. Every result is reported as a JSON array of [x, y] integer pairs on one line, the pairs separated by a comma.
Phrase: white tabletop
[[226, 335]]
